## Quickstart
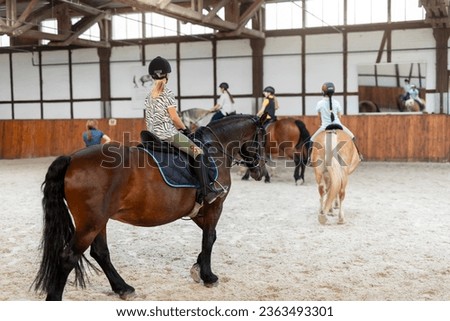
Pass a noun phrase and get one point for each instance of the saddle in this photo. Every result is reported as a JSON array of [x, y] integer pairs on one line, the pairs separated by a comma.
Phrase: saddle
[[152, 142], [334, 127], [173, 164]]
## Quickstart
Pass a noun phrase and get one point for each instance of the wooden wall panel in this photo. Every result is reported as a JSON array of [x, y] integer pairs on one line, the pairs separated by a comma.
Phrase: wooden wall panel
[[381, 137], [412, 137]]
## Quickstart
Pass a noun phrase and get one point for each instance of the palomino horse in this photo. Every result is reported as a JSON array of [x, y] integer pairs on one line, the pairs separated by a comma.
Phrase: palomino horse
[[124, 184], [334, 157], [410, 104], [287, 138], [414, 105], [195, 117]]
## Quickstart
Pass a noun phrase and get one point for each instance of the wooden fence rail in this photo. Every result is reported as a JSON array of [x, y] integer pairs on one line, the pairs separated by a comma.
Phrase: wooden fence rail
[[381, 137]]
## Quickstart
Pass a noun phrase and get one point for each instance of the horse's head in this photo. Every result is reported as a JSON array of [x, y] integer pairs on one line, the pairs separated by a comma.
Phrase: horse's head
[[252, 150], [242, 140]]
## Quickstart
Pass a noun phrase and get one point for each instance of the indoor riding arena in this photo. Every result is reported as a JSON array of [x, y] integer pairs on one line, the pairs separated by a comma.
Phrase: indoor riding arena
[[66, 62]]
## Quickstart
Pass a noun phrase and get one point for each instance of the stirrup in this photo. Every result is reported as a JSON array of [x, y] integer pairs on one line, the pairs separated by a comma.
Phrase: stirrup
[[214, 194], [193, 213]]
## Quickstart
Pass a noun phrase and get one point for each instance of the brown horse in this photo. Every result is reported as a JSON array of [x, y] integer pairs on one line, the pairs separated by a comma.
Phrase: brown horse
[[334, 157], [287, 138], [124, 183]]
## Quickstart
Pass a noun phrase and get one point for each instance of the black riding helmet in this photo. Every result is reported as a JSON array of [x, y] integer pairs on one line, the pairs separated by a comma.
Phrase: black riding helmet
[[224, 85], [328, 89], [270, 90], [159, 68]]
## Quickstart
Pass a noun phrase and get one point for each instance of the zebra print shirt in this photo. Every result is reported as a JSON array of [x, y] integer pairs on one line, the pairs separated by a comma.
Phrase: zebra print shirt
[[157, 116]]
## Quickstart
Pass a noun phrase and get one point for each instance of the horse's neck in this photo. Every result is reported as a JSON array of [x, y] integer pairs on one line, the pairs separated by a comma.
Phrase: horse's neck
[[228, 135]]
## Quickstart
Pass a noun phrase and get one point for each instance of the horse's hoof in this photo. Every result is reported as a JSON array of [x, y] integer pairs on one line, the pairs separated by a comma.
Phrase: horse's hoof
[[127, 294], [195, 273], [341, 221], [212, 285], [322, 219], [244, 178]]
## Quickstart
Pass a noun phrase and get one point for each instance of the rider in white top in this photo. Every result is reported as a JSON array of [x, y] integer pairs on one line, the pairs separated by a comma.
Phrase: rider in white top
[[225, 104], [227, 107], [330, 112], [323, 108], [414, 95], [413, 92]]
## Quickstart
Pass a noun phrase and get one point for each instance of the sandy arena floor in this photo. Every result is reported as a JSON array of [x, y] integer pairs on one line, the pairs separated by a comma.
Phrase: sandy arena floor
[[270, 246]]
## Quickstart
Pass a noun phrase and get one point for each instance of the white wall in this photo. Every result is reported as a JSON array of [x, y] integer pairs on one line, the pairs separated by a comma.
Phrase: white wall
[[196, 69], [282, 69], [55, 77], [25, 77]]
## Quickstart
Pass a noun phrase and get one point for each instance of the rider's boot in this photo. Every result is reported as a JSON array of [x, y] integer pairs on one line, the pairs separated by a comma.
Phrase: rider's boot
[[209, 191]]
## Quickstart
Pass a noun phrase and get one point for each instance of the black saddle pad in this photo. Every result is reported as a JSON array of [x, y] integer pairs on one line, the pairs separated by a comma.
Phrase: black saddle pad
[[333, 127], [173, 164]]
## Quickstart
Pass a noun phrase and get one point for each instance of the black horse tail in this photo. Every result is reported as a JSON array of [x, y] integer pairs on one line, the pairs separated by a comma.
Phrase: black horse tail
[[304, 140], [58, 229]]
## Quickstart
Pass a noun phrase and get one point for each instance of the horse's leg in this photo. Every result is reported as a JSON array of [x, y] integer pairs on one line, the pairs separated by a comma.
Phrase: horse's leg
[[68, 261], [100, 252], [299, 167], [202, 269], [322, 191], [296, 168], [322, 215], [246, 175], [267, 177], [341, 219]]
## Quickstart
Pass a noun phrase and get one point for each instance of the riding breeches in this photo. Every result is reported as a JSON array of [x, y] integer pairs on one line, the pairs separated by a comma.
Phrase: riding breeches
[[184, 144], [321, 129]]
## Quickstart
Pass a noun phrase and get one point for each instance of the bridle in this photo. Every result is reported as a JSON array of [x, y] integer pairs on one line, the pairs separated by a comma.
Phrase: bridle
[[250, 162]]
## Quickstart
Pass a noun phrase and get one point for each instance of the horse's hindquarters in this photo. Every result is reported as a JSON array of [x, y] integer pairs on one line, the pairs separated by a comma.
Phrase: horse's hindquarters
[[124, 184], [334, 157]]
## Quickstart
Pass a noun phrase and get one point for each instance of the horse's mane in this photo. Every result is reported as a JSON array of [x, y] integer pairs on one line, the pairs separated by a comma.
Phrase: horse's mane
[[226, 125]]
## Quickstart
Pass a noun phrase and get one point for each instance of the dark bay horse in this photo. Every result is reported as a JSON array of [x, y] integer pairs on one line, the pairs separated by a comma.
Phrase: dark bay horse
[[287, 138], [123, 183], [334, 157]]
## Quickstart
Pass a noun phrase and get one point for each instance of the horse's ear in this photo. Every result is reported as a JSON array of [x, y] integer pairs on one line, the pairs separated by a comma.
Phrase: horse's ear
[[264, 118]]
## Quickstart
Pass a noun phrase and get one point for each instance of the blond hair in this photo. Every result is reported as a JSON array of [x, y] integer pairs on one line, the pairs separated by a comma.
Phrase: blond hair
[[90, 125], [158, 87]]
